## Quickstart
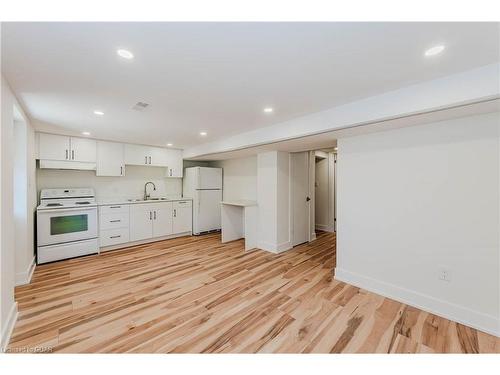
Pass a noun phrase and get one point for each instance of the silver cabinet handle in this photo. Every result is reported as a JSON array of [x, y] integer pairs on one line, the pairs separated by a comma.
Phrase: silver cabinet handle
[[115, 221], [73, 154], [115, 206], [150, 160], [146, 160], [150, 215], [66, 154], [175, 213], [155, 214], [121, 171], [170, 172], [115, 236]]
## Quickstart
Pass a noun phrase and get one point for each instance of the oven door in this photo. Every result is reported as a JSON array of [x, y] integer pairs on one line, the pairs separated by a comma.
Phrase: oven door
[[62, 225]]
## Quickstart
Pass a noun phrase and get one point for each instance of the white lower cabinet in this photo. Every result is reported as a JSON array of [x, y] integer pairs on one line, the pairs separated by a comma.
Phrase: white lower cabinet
[[182, 216], [111, 237], [162, 219], [142, 221], [113, 225]]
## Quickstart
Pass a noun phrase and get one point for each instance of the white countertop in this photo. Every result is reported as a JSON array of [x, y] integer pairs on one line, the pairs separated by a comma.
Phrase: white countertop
[[106, 202], [240, 202]]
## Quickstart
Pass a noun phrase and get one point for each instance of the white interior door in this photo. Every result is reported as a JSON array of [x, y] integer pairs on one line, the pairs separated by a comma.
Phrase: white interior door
[[208, 210], [299, 196]]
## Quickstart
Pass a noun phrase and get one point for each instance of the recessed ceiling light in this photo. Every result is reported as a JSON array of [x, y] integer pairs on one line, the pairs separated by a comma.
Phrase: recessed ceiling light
[[85, 133], [434, 50], [126, 54], [268, 110], [169, 144], [203, 134], [98, 113], [335, 148]]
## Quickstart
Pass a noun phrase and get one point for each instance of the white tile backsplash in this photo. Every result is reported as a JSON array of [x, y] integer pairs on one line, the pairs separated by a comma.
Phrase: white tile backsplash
[[129, 186]]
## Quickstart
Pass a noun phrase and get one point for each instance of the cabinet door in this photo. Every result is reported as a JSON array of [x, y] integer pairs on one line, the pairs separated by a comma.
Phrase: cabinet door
[[83, 150], [53, 147], [141, 222], [162, 219], [174, 163], [109, 159], [182, 217], [158, 156], [137, 155]]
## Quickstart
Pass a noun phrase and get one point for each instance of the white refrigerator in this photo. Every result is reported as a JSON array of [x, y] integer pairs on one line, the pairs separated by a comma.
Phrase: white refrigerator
[[204, 186]]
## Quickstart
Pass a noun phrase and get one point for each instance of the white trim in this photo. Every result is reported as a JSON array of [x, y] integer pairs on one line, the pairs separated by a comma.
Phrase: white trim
[[313, 236], [9, 327], [460, 314], [24, 277], [142, 242], [326, 228], [275, 248]]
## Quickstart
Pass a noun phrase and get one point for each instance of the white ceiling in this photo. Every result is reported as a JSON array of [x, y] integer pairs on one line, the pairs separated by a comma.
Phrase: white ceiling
[[217, 77]]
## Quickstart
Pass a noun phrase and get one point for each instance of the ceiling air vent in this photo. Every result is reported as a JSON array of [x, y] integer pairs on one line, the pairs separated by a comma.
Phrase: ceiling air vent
[[140, 106]]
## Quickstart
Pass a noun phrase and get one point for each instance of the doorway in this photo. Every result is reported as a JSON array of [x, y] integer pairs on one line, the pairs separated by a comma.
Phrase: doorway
[[300, 199]]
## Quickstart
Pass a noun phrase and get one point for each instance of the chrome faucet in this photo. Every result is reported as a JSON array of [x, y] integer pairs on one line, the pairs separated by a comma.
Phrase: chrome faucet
[[146, 195]]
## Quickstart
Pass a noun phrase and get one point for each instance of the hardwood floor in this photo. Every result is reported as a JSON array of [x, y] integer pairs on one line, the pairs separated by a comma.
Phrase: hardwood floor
[[196, 295]]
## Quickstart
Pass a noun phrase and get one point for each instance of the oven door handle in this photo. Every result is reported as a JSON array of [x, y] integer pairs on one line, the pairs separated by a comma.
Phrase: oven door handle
[[67, 209]]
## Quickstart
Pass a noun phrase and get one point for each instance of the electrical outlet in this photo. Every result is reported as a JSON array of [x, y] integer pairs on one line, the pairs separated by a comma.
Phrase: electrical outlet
[[444, 274]]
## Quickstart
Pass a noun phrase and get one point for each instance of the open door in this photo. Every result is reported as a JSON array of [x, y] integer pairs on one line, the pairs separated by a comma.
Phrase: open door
[[300, 198]]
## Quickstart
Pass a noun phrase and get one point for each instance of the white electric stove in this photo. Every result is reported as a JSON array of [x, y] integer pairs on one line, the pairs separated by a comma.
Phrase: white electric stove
[[66, 224]]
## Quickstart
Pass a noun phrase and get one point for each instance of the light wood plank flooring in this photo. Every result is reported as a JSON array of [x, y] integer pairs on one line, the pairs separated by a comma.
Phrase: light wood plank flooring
[[196, 295]]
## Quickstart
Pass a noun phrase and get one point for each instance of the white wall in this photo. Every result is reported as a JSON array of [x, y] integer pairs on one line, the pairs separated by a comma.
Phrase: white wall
[[24, 200], [129, 186], [8, 310], [413, 200], [273, 197], [240, 177]]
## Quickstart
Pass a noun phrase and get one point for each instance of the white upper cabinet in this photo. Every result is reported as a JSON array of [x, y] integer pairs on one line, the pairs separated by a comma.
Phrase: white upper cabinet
[[53, 147], [174, 163], [64, 148], [158, 156], [107, 158], [83, 150], [110, 159], [145, 155]]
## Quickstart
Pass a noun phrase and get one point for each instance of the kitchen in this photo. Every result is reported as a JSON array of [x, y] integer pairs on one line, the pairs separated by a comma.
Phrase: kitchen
[[74, 221]]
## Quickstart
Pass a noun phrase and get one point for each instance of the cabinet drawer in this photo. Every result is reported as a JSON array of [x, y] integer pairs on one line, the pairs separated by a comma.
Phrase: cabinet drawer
[[114, 209], [113, 221], [112, 237], [180, 204]]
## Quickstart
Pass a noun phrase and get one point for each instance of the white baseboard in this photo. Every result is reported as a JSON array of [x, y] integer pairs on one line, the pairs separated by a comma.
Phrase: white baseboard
[[475, 319], [9, 327], [275, 248], [24, 277], [313, 236], [326, 228]]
